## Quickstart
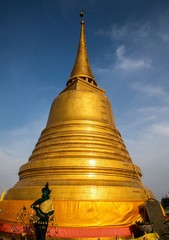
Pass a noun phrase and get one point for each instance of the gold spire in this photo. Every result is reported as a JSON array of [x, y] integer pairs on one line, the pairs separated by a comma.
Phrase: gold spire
[[82, 67]]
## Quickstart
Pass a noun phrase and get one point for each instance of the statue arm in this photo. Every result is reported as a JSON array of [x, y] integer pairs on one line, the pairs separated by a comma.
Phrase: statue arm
[[35, 203], [41, 214], [50, 213]]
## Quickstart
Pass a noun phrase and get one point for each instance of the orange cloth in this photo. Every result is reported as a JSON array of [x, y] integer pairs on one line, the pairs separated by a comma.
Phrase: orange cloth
[[78, 214]]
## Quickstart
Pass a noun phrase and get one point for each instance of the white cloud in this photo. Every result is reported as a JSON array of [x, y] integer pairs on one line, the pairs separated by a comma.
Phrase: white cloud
[[135, 31], [120, 52], [130, 64], [146, 134], [164, 36], [162, 130], [123, 63], [151, 90], [16, 146], [150, 152], [145, 129]]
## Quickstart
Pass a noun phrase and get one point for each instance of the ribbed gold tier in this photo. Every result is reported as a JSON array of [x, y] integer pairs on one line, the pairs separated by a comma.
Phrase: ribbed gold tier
[[80, 153]]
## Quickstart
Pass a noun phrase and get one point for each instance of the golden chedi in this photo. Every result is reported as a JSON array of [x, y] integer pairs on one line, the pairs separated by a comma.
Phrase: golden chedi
[[96, 188]]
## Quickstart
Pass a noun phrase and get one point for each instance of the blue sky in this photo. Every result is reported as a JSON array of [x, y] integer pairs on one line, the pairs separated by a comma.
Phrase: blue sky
[[128, 48]]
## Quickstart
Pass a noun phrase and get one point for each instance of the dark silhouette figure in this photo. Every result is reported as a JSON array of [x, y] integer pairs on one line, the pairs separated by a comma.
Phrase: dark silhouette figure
[[44, 209]]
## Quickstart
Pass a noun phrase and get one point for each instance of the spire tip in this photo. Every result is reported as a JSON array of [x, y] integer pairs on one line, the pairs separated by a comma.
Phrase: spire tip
[[81, 13], [82, 16]]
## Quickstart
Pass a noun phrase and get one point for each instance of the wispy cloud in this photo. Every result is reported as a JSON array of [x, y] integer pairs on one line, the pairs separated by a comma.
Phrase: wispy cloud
[[134, 31], [128, 63], [150, 152], [16, 146], [164, 36], [151, 90], [123, 62], [161, 129], [139, 44], [145, 131]]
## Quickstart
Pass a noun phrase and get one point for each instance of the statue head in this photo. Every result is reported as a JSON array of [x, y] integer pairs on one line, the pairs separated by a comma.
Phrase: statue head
[[46, 191]]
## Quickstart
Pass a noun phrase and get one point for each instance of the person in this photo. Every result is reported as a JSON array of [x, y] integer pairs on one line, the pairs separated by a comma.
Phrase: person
[[44, 209]]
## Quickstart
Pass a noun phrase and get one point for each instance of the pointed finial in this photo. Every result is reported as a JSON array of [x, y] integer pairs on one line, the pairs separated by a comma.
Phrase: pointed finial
[[82, 15], [82, 67]]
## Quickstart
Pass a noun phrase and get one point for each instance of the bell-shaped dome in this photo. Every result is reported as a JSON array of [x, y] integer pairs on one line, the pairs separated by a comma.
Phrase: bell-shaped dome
[[83, 157]]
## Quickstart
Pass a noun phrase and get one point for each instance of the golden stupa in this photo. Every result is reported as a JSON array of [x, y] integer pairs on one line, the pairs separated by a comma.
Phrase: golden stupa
[[96, 188]]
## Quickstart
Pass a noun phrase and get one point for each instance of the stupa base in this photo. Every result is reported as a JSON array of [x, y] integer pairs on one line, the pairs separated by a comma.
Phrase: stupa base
[[16, 223], [10, 231], [7, 231]]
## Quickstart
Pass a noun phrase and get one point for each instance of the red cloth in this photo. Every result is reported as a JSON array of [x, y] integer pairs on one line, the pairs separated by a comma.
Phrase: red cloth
[[60, 232]]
